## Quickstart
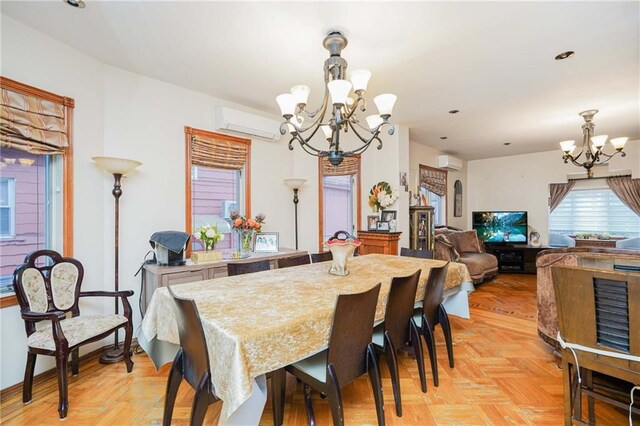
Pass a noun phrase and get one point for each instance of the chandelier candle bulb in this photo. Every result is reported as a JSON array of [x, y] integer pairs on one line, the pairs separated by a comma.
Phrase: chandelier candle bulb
[[287, 104], [385, 103], [339, 90], [599, 141], [301, 94], [567, 146], [618, 143], [360, 80]]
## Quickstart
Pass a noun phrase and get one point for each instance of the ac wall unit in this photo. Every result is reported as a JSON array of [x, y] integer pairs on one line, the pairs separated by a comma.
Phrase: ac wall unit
[[449, 162], [247, 123]]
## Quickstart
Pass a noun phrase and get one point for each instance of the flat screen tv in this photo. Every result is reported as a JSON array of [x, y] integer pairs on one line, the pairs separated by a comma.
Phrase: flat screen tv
[[500, 227]]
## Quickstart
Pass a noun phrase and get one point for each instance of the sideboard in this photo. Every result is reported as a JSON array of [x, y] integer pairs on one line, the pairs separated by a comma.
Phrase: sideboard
[[154, 276], [378, 242]]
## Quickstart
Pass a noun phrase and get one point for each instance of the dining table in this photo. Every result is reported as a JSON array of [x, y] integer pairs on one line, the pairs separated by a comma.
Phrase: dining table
[[261, 322]]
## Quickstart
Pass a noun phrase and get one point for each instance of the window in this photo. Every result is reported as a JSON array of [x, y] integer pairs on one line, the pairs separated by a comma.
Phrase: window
[[439, 206], [433, 192], [7, 207], [339, 197], [35, 178], [218, 182], [594, 211]]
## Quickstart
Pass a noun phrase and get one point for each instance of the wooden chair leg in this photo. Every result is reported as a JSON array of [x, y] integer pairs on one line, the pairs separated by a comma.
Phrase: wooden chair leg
[[63, 397], [75, 357], [334, 395], [126, 349], [590, 400], [27, 386], [392, 362], [201, 401], [173, 383], [446, 327], [308, 404], [278, 387], [416, 343], [577, 397], [427, 332], [567, 391], [376, 383]]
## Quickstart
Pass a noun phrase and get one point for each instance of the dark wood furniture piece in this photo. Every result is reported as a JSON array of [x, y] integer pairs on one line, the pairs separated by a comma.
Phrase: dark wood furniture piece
[[350, 355], [287, 262], [592, 242], [47, 286], [596, 310], [421, 228], [398, 330], [515, 259], [248, 267], [191, 363], [432, 314], [378, 242], [154, 276], [321, 257], [422, 254]]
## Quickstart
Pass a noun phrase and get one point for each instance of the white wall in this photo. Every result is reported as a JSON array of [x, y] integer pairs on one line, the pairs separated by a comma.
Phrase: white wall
[[521, 182], [425, 155]]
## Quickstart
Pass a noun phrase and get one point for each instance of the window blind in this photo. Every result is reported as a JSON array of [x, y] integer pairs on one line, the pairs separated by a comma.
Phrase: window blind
[[434, 180], [349, 166], [218, 152], [594, 211]]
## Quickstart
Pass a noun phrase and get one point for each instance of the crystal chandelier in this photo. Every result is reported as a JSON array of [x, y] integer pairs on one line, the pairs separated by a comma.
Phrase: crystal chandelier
[[592, 146], [303, 124]]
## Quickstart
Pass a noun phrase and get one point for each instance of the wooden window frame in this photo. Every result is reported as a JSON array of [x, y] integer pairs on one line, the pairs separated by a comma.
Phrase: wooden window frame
[[67, 167], [321, 200], [446, 187], [188, 133]]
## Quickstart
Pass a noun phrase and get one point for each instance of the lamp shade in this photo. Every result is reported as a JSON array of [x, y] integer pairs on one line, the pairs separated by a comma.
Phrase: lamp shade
[[339, 90], [599, 141], [360, 79], [374, 121], [618, 143], [115, 165], [328, 132], [385, 103], [567, 146], [301, 93], [287, 103], [294, 183]]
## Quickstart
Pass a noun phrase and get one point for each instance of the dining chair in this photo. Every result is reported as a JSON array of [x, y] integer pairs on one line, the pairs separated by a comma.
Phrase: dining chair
[[325, 256], [597, 334], [47, 287], [398, 329], [241, 268], [287, 262], [433, 313], [423, 254], [350, 354], [190, 363]]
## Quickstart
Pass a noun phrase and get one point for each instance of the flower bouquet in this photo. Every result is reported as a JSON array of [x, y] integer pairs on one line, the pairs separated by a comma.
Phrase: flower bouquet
[[382, 196], [246, 228], [209, 236]]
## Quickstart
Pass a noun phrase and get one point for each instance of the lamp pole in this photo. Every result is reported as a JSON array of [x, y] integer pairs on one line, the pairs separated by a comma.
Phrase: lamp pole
[[295, 184]]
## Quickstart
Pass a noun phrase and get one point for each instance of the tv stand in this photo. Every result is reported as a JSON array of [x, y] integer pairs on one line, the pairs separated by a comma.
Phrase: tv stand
[[514, 258]]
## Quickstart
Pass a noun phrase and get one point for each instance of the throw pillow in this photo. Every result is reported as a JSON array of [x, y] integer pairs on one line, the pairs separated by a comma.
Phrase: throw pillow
[[466, 241]]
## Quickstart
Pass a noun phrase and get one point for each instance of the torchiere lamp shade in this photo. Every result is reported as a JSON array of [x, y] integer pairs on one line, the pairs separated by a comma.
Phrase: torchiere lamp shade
[[115, 165], [295, 183]]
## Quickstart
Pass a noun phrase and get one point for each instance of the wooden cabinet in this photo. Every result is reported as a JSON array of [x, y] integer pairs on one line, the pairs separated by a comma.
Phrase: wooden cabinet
[[378, 242], [515, 259], [154, 276], [421, 228], [587, 242]]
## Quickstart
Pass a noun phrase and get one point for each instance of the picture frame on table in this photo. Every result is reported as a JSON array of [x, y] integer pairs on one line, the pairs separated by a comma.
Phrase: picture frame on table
[[382, 226], [388, 215], [372, 221], [267, 242]]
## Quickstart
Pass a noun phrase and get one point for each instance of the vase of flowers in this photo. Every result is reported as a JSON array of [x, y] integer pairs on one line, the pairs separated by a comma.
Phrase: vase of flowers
[[209, 236], [382, 196], [246, 228]]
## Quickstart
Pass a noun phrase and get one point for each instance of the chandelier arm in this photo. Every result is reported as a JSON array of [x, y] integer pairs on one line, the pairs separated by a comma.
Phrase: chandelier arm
[[366, 129], [354, 107], [322, 107], [363, 140], [306, 146], [624, 154]]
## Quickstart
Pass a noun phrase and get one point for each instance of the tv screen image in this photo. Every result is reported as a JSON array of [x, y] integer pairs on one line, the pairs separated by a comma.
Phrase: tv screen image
[[501, 227]]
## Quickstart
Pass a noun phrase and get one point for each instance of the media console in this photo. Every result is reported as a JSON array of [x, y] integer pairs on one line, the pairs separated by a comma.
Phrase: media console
[[515, 259]]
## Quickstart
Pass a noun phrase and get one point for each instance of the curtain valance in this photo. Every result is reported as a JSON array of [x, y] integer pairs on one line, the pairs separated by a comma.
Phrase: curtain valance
[[218, 153], [32, 124], [434, 180], [349, 166]]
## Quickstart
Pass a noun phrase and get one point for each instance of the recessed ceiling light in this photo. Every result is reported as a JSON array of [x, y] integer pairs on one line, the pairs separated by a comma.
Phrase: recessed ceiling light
[[506, 143], [565, 55], [75, 3], [454, 111], [443, 137]]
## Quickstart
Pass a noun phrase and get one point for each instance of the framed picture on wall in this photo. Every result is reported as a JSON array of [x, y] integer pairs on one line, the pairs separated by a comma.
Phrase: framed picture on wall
[[266, 242], [372, 221]]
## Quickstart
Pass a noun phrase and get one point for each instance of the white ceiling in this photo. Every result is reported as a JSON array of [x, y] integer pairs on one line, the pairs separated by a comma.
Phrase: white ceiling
[[492, 61]]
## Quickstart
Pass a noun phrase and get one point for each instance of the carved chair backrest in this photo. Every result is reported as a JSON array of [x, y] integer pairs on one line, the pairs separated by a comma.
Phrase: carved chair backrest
[[48, 282], [287, 262], [351, 333], [399, 311], [195, 359], [325, 256], [423, 254], [434, 293], [248, 267]]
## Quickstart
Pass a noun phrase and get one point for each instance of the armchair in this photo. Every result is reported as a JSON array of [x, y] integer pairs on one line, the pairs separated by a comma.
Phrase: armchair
[[48, 291], [453, 245]]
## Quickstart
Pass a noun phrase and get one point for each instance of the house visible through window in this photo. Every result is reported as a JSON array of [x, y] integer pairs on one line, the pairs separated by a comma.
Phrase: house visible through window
[[7, 207], [594, 211]]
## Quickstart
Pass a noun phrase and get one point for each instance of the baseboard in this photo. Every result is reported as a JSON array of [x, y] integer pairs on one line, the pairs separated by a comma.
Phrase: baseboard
[[11, 391]]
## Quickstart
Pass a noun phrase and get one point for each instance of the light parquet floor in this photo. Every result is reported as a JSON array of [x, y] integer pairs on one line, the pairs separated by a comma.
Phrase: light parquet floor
[[504, 375]]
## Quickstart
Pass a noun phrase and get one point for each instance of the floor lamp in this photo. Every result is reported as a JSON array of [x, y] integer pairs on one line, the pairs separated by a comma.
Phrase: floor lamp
[[118, 167], [295, 184]]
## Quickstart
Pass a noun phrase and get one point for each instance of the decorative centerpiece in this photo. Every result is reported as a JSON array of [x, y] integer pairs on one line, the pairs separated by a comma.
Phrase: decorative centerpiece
[[341, 249], [382, 196], [247, 229], [209, 236]]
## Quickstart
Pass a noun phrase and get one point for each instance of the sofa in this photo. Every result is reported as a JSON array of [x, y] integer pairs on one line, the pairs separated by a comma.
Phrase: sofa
[[592, 257], [455, 245], [629, 243]]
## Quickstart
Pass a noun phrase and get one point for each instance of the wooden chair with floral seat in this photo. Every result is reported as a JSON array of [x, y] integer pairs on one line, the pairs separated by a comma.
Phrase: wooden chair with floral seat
[[47, 286]]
